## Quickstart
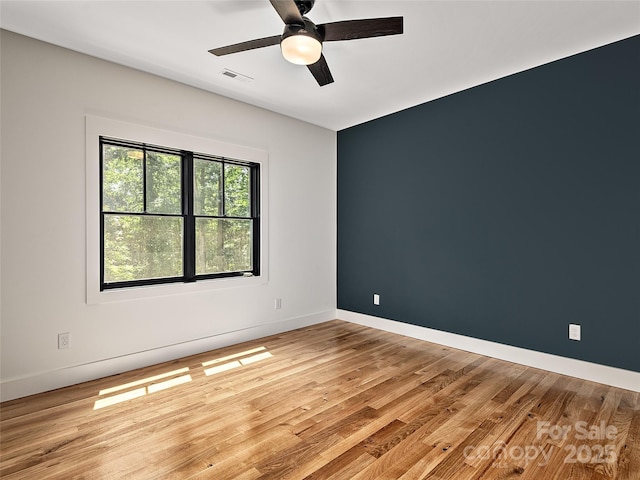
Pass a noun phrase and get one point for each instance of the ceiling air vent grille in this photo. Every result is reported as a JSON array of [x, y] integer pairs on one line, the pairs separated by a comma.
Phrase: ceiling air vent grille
[[236, 76]]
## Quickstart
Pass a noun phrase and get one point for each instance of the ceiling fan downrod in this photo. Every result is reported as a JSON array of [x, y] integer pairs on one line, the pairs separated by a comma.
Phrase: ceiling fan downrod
[[304, 6]]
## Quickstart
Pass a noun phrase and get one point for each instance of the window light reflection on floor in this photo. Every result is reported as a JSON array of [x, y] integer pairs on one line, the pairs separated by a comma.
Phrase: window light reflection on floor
[[235, 355], [247, 360], [178, 377], [222, 368], [156, 387], [121, 397], [124, 386], [139, 392]]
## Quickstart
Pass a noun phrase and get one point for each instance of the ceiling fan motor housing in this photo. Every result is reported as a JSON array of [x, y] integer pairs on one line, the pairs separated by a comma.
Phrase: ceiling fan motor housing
[[309, 29]]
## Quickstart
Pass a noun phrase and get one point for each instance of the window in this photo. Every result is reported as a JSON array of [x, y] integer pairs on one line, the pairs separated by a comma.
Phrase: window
[[170, 215], [100, 130]]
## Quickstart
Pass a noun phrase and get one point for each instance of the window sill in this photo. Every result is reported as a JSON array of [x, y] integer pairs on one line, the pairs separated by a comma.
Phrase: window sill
[[96, 296]]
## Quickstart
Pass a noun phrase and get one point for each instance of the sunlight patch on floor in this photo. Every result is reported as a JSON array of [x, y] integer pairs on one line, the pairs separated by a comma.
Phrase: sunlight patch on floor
[[223, 367], [174, 382], [121, 397], [140, 392], [235, 355], [124, 386], [177, 377], [256, 358]]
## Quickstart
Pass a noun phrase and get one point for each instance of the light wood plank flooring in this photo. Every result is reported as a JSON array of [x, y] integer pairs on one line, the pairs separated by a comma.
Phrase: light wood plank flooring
[[334, 400]]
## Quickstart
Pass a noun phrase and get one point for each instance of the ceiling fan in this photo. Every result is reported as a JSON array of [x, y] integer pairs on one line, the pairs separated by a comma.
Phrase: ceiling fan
[[301, 41]]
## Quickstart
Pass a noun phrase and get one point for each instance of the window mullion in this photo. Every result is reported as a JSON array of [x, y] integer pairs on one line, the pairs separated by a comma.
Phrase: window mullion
[[223, 213], [189, 218], [144, 180], [255, 219]]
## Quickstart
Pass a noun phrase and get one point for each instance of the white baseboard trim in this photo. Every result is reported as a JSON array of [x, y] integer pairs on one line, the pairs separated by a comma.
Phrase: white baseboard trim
[[594, 372], [50, 380]]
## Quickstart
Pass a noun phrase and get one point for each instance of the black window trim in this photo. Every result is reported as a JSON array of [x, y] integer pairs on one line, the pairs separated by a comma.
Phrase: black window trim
[[189, 267]]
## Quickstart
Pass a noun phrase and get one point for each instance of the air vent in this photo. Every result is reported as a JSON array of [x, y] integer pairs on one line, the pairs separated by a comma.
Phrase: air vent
[[238, 77]]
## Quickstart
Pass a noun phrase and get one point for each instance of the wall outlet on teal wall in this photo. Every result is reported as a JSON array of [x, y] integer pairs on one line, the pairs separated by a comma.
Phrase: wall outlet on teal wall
[[574, 331]]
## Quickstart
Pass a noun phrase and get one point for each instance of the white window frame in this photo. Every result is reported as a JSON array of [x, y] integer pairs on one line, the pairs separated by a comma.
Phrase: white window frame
[[99, 126]]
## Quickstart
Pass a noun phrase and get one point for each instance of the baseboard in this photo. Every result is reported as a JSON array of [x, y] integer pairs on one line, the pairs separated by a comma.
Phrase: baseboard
[[50, 380], [594, 372]]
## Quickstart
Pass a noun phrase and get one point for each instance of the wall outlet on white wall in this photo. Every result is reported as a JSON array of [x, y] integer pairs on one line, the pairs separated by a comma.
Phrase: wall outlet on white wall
[[63, 340]]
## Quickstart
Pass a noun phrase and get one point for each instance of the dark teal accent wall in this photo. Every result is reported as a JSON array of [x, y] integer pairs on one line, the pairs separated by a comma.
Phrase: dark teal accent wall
[[506, 211]]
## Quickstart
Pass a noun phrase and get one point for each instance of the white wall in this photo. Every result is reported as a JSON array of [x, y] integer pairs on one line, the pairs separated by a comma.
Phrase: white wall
[[46, 92]]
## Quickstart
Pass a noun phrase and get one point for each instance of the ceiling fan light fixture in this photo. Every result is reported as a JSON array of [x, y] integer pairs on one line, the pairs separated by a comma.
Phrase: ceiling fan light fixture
[[301, 41], [300, 46]]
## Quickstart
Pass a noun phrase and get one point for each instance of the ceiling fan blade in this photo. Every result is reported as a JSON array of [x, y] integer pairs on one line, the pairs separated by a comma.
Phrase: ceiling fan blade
[[288, 11], [320, 71], [353, 29], [243, 46]]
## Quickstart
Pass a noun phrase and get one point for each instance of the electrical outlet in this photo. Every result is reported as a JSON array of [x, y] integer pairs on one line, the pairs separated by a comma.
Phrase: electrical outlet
[[376, 299], [574, 331], [277, 304], [63, 340]]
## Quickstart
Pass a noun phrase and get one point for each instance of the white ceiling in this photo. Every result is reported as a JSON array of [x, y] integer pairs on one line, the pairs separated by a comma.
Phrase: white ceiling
[[447, 46]]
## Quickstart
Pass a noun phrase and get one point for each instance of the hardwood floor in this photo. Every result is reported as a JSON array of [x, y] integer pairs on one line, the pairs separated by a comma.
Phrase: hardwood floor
[[334, 400]]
